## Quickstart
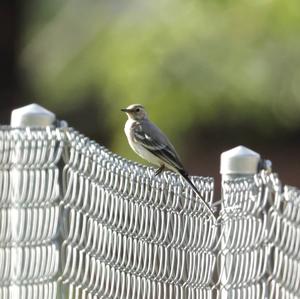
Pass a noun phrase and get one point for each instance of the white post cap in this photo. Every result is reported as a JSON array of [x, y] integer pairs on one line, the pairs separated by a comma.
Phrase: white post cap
[[32, 115], [239, 160]]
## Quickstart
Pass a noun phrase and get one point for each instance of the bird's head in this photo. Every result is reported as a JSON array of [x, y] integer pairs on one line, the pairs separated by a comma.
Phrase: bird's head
[[135, 112]]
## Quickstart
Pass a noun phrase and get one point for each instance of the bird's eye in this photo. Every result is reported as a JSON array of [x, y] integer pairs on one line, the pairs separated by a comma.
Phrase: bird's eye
[[137, 110]]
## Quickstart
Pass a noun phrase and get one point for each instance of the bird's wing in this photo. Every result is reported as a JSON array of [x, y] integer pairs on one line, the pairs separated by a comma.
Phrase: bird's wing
[[157, 143], [152, 139]]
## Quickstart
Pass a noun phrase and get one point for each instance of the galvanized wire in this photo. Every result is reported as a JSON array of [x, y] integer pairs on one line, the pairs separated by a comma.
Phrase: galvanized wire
[[284, 235], [133, 234], [244, 250], [77, 221], [29, 213]]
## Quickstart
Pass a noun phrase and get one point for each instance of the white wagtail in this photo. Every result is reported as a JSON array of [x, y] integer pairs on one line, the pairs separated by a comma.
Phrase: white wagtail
[[149, 142]]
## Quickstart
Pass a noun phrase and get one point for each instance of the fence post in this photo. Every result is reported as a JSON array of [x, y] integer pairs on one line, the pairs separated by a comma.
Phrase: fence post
[[32, 115], [238, 162]]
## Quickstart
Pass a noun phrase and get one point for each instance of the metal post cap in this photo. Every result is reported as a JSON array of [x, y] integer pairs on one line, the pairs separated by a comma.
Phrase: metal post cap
[[239, 160], [32, 115]]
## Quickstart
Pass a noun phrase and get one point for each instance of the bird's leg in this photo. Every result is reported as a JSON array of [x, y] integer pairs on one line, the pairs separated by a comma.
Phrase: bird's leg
[[159, 170]]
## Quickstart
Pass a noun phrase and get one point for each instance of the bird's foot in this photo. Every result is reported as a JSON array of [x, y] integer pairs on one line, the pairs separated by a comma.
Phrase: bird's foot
[[159, 170]]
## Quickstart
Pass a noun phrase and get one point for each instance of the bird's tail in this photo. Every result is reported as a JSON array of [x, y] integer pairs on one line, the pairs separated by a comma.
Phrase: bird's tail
[[188, 180]]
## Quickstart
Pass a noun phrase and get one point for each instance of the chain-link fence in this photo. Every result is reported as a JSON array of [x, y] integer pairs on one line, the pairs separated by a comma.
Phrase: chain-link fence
[[77, 221]]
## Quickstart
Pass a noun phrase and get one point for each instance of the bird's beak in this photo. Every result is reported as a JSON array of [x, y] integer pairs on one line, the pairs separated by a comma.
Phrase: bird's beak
[[125, 110]]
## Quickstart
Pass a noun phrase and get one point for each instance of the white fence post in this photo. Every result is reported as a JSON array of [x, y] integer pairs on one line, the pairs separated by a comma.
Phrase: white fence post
[[32, 115], [238, 162]]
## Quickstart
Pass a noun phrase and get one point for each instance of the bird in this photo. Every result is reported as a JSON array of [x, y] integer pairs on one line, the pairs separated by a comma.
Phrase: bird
[[150, 143]]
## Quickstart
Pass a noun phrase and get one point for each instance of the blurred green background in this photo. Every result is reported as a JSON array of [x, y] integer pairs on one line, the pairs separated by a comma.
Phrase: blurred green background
[[212, 74]]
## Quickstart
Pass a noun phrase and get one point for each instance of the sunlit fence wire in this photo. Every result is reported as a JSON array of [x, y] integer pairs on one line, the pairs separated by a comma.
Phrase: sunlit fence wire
[[77, 221]]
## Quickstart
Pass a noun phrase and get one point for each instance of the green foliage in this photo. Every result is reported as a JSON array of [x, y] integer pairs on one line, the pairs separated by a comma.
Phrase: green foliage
[[191, 63]]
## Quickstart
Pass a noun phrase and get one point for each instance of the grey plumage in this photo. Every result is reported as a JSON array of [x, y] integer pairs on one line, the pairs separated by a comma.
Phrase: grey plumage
[[155, 141], [149, 142]]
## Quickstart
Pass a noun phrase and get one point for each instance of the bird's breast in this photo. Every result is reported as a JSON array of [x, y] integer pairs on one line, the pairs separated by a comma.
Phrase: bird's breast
[[128, 129], [137, 147]]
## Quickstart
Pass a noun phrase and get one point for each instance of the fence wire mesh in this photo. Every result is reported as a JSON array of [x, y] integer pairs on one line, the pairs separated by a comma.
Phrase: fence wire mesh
[[78, 221]]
